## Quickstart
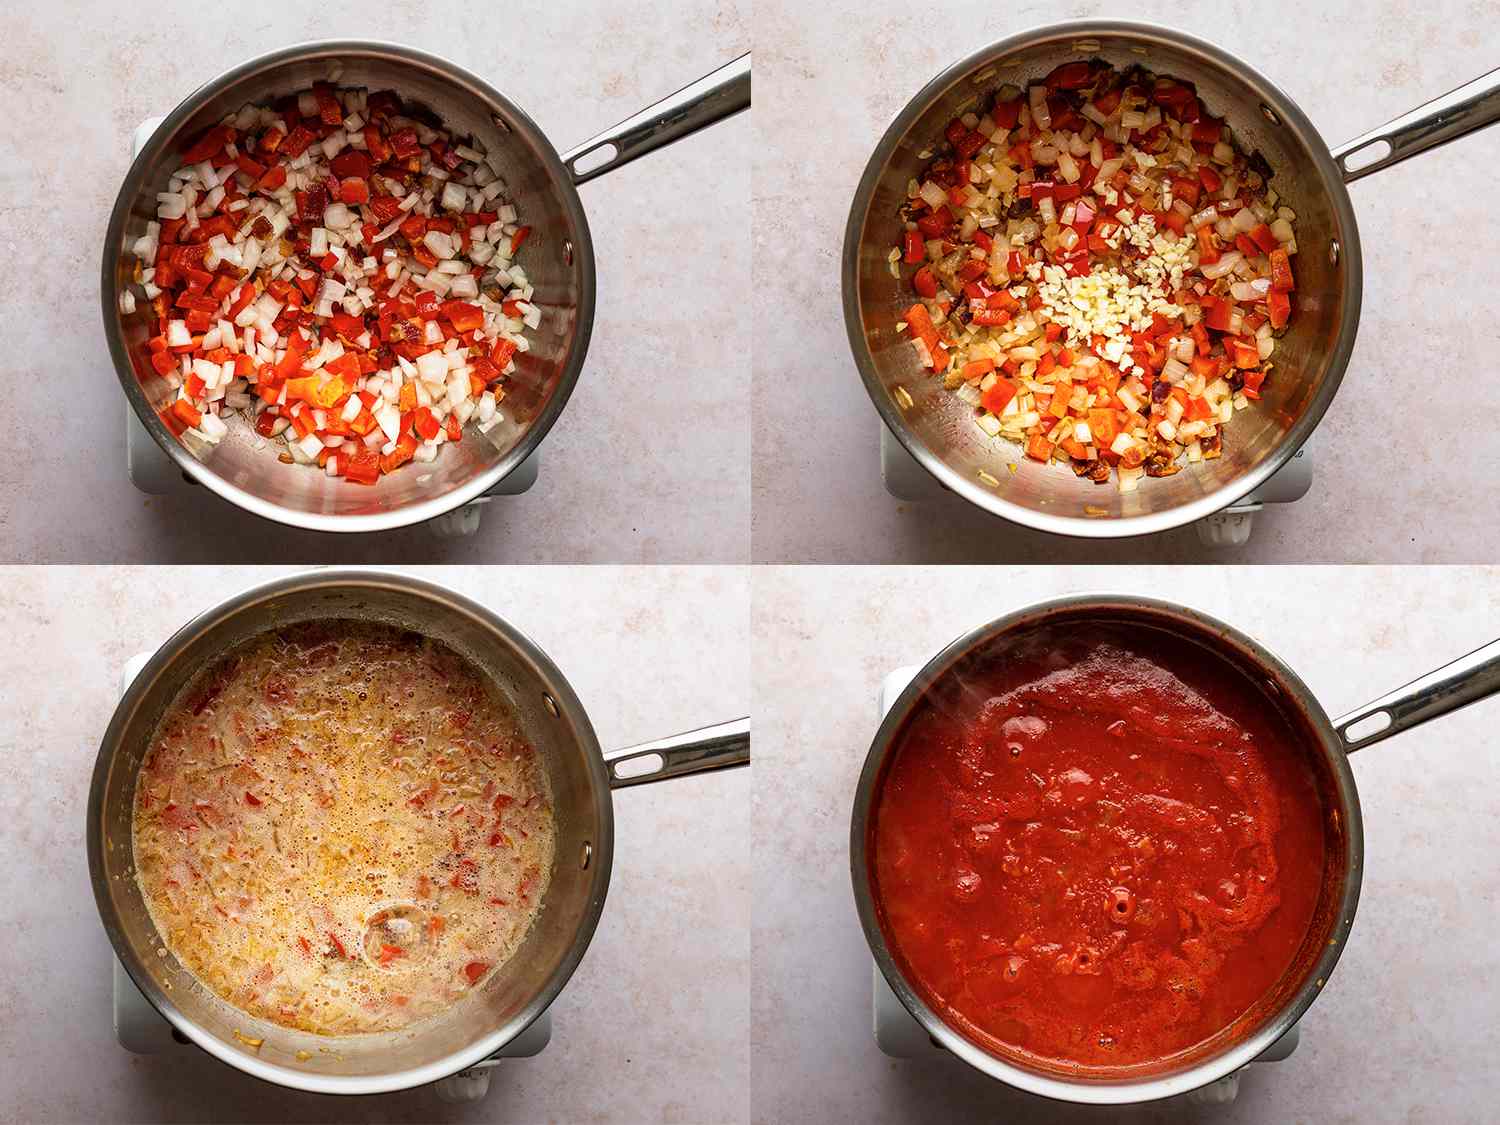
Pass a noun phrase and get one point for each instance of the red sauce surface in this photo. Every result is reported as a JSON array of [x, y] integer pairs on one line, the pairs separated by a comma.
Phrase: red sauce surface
[[1098, 851]]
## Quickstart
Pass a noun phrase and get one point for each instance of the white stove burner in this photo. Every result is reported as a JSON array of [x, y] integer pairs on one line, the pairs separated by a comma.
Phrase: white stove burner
[[899, 1035], [155, 474], [906, 480], [142, 1030]]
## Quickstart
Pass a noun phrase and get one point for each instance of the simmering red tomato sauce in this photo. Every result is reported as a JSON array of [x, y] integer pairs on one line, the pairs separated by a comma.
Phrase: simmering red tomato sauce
[[1097, 850]]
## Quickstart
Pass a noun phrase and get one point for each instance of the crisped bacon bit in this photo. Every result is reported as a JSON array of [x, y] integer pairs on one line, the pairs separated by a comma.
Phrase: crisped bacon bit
[[325, 283], [251, 798]]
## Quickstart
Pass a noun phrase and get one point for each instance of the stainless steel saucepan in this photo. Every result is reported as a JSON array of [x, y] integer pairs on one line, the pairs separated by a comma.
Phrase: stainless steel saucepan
[[558, 258], [938, 429], [580, 777], [1328, 743]]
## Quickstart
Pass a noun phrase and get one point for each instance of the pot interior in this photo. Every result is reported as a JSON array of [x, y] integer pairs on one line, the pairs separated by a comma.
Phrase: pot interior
[[557, 258], [1308, 361], [515, 993], [1264, 1021]]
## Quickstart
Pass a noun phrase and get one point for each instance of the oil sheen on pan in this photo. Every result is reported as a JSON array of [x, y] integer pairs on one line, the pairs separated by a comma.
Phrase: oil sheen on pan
[[1097, 851]]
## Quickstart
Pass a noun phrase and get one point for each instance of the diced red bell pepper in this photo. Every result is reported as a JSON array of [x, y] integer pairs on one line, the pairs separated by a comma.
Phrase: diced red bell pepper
[[502, 353], [1171, 92], [1217, 312], [998, 397], [1197, 410], [916, 249], [210, 144], [350, 327], [925, 283], [992, 318], [404, 143], [426, 424], [406, 448], [1208, 131], [1006, 113], [351, 162], [330, 112], [413, 227], [375, 144], [463, 316], [1242, 354], [518, 238], [361, 464], [1038, 448], [1281, 271], [297, 142], [936, 224], [187, 412], [1069, 76], [1264, 240], [354, 190], [1174, 220], [1279, 308], [1208, 245]]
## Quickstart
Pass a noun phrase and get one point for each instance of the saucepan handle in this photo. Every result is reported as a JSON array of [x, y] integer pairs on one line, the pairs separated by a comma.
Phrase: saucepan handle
[[709, 100], [1467, 680], [718, 747], [1470, 107]]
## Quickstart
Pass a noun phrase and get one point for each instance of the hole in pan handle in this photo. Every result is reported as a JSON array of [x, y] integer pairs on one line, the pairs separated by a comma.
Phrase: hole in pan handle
[[705, 102], [1467, 680], [1472, 106], [722, 746]]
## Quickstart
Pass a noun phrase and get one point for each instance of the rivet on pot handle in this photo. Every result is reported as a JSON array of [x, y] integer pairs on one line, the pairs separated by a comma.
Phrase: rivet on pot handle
[[712, 98], [1470, 107], [718, 747], [1467, 680]]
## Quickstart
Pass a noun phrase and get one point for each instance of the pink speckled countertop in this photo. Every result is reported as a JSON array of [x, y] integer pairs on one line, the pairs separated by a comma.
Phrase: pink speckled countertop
[[617, 483], [1401, 471], [1406, 1029], [652, 1027]]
